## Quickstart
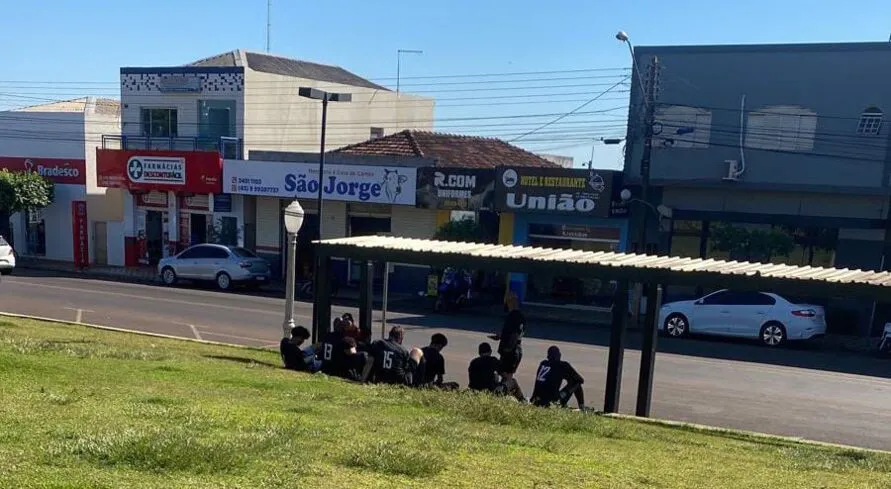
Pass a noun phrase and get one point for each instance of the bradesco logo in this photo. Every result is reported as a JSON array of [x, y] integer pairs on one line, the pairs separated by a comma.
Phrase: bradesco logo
[[55, 171], [157, 169]]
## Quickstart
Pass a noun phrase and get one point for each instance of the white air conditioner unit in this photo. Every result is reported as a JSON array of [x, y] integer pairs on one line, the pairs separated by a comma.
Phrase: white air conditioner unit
[[734, 170]]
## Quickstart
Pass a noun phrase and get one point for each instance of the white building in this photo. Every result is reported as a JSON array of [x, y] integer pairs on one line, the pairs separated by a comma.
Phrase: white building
[[235, 103], [59, 141]]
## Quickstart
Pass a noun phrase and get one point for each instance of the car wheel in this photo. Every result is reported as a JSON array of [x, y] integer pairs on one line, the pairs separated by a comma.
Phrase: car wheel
[[773, 334], [224, 281], [168, 276], [676, 325]]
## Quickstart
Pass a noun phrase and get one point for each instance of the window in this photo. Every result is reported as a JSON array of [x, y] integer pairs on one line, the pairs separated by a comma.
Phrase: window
[[377, 132], [781, 128], [243, 253], [718, 298], [870, 122], [217, 253], [190, 254], [679, 126], [159, 123]]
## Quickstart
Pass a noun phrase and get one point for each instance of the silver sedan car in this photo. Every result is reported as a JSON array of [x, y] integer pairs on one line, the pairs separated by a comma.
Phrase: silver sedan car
[[223, 265]]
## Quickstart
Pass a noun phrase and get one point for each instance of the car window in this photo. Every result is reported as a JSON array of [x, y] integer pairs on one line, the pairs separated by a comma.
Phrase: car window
[[189, 254], [217, 253], [718, 298], [199, 252], [3, 241], [242, 253]]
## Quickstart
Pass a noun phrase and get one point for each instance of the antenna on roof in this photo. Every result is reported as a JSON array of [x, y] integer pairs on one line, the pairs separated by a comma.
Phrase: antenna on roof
[[268, 22]]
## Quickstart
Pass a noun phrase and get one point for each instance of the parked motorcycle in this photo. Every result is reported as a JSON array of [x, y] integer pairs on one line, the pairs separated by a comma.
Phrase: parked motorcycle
[[885, 342], [454, 290]]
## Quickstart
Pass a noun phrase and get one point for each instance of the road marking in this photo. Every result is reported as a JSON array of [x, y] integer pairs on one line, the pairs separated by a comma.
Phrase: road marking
[[78, 314], [159, 299], [195, 332]]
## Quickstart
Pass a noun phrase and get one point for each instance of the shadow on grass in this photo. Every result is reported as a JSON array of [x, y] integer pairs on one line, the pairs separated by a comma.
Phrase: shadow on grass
[[243, 360]]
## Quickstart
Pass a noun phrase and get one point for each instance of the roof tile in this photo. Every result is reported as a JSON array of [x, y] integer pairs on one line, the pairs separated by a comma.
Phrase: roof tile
[[449, 150]]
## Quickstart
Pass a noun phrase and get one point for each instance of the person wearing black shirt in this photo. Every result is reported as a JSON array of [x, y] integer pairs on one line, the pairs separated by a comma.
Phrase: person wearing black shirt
[[353, 362], [434, 368], [331, 349], [292, 356], [483, 370], [509, 345], [389, 361], [549, 379]]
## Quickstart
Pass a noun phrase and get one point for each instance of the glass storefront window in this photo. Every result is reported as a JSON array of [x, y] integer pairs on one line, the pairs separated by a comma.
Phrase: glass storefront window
[[36, 233]]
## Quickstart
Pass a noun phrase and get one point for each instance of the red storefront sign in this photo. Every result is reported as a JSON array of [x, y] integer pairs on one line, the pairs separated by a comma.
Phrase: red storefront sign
[[198, 172], [80, 233], [57, 170]]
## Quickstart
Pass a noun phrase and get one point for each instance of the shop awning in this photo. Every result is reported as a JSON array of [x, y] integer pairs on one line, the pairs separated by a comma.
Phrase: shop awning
[[616, 266]]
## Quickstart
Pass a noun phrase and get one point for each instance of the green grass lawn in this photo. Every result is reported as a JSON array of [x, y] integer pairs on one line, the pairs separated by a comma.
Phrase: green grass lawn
[[85, 408]]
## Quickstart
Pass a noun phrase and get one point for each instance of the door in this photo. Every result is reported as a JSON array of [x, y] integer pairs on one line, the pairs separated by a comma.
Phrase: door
[[750, 311], [187, 263], [198, 229], [154, 236], [711, 314], [208, 261], [100, 243]]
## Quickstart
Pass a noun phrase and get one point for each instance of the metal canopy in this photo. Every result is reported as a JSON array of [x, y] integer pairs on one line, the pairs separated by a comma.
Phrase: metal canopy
[[615, 266]]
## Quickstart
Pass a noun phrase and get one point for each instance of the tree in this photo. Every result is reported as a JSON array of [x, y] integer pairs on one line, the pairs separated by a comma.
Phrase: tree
[[21, 192], [811, 239], [464, 230], [758, 245]]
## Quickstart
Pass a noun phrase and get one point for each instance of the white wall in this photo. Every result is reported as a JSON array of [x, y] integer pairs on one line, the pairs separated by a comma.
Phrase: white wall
[[278, 119]]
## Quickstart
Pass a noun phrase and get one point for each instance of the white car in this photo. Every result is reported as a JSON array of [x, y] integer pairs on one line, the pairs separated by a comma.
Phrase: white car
[[223, 265], [7, 257], [767, 317]]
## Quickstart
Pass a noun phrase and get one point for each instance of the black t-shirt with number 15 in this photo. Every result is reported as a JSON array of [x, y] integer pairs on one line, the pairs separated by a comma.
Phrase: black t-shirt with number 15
[[391, 361]]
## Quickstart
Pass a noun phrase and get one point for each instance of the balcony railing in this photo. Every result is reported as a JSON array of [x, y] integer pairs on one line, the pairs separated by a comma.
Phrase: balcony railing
[[229, 148]]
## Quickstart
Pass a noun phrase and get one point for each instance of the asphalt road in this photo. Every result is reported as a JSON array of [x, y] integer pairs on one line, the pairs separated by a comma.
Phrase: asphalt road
[[834, 397]]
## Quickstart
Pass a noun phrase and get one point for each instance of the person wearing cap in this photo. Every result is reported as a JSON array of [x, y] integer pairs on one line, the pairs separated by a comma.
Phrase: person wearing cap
[[550, 378]]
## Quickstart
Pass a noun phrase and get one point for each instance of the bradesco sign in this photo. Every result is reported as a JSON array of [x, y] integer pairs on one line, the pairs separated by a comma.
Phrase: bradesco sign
[[350, 183], [554, 190], [57, 170]]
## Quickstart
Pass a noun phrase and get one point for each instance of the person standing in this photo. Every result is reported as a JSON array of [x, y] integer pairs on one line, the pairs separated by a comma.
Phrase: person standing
[[510, 346]]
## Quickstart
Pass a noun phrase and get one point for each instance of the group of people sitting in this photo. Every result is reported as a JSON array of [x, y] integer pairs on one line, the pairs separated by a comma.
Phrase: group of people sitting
[[348, 352]]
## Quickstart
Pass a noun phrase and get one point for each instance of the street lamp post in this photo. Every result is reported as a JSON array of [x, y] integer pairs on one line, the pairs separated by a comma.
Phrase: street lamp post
[[293, 222], [325, 97], [399, 53]]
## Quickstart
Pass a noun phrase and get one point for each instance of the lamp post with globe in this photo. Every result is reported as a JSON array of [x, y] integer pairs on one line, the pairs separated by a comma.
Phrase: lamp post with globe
[[293, 222]]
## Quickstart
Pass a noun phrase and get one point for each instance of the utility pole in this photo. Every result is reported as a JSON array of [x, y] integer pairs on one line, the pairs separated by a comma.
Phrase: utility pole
[[268, 23], [649, 121], [399, 53]]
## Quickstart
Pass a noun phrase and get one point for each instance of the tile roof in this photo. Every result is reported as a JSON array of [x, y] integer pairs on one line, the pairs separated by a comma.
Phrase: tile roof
[[449, 150], [108, 106], [616, 266], [267, 63]]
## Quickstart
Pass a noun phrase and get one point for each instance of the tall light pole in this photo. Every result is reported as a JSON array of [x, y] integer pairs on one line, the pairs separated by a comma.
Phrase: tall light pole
[[399, 53], [293, 222], [325, 97]]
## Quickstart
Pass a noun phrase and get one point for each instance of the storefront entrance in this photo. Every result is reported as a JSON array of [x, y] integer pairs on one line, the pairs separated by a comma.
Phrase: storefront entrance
[[571, 290], [197, 229], [154, 236]]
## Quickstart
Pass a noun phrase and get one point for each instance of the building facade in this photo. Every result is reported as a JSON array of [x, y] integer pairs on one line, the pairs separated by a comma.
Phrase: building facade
[[58, 140], [786, 142]]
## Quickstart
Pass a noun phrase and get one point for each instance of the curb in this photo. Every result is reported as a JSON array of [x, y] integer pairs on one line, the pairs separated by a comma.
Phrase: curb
[[714, 430], [706, 429]]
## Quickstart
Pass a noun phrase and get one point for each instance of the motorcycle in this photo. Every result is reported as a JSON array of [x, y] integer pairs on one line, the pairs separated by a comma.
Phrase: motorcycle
[[454, 290], [885, 343]]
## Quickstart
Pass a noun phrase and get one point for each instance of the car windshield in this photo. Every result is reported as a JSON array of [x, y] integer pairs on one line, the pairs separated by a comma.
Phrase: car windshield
[[243, 253]]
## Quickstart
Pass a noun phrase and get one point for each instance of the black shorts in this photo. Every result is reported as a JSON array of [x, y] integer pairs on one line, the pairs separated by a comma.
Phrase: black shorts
[[510, 360]]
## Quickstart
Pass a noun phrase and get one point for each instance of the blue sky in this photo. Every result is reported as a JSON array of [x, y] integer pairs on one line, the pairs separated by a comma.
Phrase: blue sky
[[59, 42]]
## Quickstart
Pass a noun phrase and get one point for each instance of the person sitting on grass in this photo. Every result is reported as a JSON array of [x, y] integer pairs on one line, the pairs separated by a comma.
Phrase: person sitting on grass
[[293, 357], [331, 349], [549, 378], [417, 365], [434, 364], [389, 361], [483, 370], [353, 361]]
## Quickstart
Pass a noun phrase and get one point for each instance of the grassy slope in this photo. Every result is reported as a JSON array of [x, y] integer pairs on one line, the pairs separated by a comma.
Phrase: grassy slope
[[82, 408]]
